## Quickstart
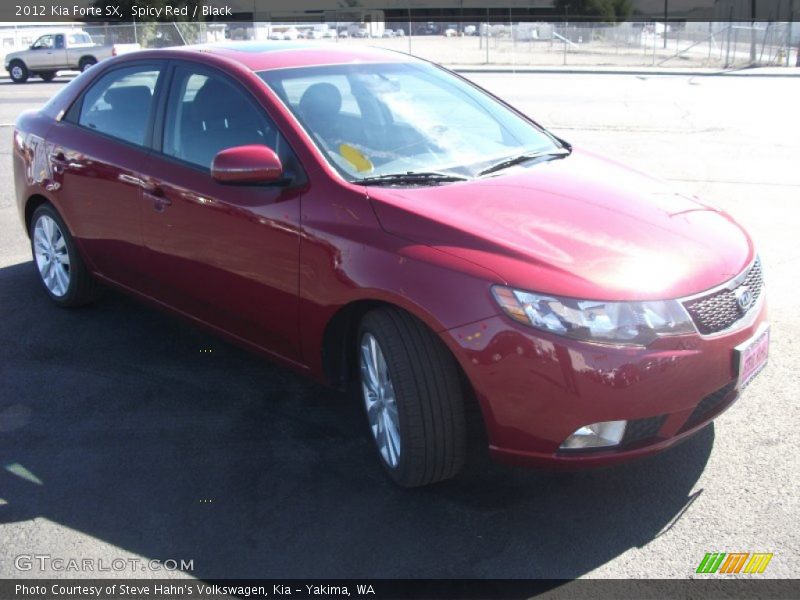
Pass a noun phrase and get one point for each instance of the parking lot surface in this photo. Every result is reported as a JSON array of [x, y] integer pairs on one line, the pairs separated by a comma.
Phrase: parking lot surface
[[126, 433]]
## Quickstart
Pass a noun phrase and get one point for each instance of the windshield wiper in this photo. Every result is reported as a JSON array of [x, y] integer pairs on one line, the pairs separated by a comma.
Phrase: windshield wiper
[[411, 177], [515, 160]]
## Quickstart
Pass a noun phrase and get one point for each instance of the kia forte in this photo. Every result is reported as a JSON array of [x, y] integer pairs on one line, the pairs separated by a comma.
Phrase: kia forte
[[383, 225]]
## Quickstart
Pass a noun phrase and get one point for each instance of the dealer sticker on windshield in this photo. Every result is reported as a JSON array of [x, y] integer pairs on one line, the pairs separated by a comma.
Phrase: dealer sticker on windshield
[[752, 356]]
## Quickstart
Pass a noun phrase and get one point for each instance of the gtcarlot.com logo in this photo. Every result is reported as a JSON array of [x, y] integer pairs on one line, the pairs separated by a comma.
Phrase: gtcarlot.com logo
[[46, 562], [727, 563]]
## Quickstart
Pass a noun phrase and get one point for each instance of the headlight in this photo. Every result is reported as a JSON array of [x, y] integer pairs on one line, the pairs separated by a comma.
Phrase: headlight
[[631, 323]]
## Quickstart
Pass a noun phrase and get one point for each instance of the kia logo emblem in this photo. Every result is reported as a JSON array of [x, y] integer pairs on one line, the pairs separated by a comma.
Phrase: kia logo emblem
[[744, 298]]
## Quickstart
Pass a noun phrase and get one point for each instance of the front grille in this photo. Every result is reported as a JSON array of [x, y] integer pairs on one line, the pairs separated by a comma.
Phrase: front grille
[[639, 430], [708, 407], [720, 309]]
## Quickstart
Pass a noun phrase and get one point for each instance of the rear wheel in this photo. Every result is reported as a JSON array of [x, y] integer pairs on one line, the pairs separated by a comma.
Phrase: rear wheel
[[87, 62], [48, 75], [413, 399], [61, 270], [18, 71]]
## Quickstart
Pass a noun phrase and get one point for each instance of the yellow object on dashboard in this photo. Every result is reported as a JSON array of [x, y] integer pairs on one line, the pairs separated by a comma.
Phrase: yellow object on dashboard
[[356, 158]]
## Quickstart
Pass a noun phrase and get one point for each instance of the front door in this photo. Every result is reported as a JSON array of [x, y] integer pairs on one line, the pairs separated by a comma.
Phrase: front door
[[44, 53], [225, 254]]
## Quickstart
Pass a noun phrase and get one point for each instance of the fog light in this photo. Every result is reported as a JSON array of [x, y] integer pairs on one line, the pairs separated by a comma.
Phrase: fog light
[[596, 435]]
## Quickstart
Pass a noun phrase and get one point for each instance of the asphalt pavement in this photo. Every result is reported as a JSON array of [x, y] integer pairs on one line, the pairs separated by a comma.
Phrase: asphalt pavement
[[126, 433]]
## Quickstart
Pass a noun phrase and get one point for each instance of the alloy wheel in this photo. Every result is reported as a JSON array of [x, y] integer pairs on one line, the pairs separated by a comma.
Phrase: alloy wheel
[[380, 400], [52, 257]]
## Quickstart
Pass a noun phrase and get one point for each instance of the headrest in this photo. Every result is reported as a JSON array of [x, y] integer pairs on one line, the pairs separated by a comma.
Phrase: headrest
[[321, 99], [129, 97], [218, 100]]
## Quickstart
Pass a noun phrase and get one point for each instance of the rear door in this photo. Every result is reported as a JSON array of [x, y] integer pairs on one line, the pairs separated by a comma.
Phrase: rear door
[[96, 153], [225, 254]]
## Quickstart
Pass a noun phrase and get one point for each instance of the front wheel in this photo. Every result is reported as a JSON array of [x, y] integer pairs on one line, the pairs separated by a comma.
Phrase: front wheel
[[18, 72], [413, 399], [61, 270]]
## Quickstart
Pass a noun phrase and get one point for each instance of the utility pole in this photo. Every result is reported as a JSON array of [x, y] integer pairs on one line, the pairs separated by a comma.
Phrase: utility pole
[[666, 16], [752, 31]]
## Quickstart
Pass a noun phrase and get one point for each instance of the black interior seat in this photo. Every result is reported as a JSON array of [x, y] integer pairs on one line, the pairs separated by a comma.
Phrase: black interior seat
[[320, 107], [219, 117]]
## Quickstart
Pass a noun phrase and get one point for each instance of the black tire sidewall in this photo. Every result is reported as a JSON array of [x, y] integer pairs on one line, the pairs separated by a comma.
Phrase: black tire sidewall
[[87, 63], [76, 270]]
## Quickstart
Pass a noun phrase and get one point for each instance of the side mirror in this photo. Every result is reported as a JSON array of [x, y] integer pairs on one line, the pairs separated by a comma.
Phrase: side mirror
[[247, 164]]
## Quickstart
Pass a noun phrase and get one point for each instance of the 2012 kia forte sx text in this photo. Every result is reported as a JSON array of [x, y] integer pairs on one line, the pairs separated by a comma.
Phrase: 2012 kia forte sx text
[[370, 218]]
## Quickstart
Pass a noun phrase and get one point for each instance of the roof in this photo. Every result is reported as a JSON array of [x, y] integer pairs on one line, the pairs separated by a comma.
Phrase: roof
[[266, 55]]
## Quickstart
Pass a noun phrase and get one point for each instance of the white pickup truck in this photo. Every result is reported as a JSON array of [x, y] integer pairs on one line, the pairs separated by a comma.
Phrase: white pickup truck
[[66, 50]]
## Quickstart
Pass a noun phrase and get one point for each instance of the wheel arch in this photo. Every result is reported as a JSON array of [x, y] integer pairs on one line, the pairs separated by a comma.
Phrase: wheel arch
[[338, 340], [31, 204], [339, 355]]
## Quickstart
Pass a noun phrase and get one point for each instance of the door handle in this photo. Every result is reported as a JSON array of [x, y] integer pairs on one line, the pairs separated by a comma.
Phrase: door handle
[[159, 198], [59, 162]]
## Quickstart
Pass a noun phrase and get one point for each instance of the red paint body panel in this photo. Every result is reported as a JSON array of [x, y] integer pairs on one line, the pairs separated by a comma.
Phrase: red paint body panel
[[536, 388], [224, 253], [579, 227], [271, 267]]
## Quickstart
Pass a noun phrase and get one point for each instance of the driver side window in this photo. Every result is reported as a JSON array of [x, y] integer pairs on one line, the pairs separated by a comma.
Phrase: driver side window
[[207, 113], [44, 42]]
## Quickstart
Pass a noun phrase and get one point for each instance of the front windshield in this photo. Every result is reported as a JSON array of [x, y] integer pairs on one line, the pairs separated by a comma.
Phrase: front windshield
[[383, 119]]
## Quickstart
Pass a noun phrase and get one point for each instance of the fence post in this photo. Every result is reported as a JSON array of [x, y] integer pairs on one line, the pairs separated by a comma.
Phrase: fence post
[[487, 37], [728, 46], [410, 32], [654, 43], [789, 32]]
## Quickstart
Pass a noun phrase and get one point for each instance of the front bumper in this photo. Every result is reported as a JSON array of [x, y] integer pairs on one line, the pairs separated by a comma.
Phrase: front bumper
[[536, 388]]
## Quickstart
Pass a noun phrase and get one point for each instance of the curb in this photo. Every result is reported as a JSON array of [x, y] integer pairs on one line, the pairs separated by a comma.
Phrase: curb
[[700, 72]]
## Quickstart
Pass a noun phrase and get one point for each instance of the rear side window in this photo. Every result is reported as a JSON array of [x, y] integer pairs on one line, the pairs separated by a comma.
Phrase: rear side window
[[208, 113], [119, 103], [79, 38]]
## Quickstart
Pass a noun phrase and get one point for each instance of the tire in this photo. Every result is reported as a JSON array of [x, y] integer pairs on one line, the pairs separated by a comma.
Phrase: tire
[[18, 71], [86, 63], [422, 377], [58, 264], [48, 75]]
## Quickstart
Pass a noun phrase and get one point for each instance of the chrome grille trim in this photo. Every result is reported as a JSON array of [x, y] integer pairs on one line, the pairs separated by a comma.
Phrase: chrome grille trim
[[717, 310]]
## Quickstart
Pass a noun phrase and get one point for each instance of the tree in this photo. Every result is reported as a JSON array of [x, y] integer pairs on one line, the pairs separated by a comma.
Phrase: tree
[[162, 30], [605, 10]]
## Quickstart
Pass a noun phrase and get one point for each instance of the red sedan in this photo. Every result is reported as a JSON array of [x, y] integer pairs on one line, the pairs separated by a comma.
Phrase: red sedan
[[372, 219]]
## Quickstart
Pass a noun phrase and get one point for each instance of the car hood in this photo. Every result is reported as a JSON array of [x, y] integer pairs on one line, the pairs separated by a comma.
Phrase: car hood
[[580, 226]]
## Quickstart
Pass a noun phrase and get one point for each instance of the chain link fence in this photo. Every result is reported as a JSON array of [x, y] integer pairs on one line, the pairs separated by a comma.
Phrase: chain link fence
[[522, 44]]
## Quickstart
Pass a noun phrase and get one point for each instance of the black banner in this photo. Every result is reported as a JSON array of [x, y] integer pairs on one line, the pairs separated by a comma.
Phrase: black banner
[[417, 11], [712, 588]]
